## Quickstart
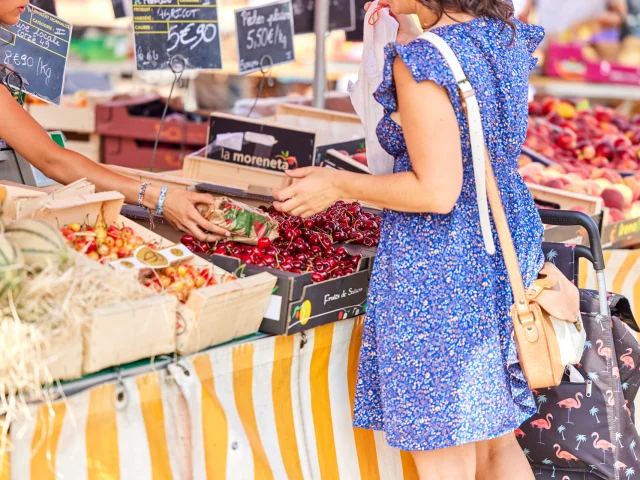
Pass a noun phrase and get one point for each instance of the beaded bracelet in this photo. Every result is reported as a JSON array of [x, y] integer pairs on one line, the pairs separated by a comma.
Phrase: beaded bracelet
[[163, 194], [143, 189]]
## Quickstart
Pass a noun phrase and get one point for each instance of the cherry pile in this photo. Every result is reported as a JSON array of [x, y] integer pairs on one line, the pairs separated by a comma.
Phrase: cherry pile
[[305, 246]]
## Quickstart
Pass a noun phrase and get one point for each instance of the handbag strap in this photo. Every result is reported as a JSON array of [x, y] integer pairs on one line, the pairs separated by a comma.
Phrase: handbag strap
[[486, 185]]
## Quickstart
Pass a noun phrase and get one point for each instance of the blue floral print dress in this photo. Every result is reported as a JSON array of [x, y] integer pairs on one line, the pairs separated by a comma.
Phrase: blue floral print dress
[[438, 365]]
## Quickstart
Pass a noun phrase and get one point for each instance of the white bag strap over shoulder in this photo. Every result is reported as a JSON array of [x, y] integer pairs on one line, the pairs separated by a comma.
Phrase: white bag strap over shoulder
[[486, 184], [475, 131]]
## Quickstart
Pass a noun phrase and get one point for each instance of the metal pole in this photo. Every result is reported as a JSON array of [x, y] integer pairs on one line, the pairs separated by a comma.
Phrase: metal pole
[[321, 25]]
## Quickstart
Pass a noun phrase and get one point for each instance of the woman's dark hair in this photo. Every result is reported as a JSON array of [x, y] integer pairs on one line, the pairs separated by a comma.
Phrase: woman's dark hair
[[498, 9]]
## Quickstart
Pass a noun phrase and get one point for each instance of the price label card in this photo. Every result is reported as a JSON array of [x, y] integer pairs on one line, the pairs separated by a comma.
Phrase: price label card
[[176, 28], [264, 31], [37, 48], [342, 15], [253, 144]]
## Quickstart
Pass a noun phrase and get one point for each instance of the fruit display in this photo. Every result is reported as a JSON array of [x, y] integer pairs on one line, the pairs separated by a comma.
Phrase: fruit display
[[181, 280], [620, 195], [360, 156], [579, 134], [305, 246], [102, 243], [246, 224], [41, 243]]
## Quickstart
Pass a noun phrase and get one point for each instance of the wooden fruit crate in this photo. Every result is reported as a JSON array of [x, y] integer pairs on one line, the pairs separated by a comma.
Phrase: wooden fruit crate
[[566, 200], [115, 334], [219, 313]]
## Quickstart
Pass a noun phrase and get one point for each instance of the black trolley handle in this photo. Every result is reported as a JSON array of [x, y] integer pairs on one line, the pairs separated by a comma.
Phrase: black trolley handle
[[570, 218], [594, 254]]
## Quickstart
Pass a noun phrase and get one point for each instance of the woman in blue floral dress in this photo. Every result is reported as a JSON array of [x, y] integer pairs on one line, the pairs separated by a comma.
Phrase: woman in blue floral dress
[[438, 366]]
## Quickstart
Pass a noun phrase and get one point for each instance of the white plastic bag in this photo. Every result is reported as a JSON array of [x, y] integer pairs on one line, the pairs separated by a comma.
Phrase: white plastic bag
[[376, 37]]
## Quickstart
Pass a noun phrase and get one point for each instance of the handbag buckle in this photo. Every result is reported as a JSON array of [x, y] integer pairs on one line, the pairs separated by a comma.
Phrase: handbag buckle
[[466, 90]]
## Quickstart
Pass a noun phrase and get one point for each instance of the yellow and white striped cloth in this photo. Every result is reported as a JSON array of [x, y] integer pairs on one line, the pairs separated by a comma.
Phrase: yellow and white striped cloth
[[622, 274], [278, 408]]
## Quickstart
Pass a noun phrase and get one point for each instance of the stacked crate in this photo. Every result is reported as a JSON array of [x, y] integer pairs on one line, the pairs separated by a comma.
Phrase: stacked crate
[[76, 119], [129, 128]]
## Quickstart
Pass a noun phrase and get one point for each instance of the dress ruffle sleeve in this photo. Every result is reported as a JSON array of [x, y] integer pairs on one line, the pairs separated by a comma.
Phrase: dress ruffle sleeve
[[424, 62]]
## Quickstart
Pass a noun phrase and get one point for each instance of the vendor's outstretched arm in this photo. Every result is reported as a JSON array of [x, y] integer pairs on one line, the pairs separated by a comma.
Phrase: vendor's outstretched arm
[[27, 137]]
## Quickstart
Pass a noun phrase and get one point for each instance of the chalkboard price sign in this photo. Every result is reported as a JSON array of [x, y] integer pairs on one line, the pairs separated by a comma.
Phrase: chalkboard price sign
[[37, 48], [164, 29], [342, 15], [264, 31]]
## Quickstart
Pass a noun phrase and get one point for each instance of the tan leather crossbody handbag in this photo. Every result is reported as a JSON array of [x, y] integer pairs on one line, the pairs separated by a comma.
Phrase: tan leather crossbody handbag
[[546, 318]]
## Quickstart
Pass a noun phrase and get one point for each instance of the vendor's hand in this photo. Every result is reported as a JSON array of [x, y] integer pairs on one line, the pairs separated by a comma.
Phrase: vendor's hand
[[315, 191], [408, 30], [181, 212]]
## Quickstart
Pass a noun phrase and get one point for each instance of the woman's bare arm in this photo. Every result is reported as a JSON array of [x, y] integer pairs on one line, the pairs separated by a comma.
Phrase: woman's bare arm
[[27, 137], [432, 136]]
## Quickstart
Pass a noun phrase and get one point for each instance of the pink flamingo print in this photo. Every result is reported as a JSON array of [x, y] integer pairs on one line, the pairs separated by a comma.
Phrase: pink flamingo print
[[563, 455], [610, 400], [602, 445], [543, 424], [615, 371], [627, 360], [604, 352], [626, 407], [520, 433], [570, 404], [619, 465], [566, 477]]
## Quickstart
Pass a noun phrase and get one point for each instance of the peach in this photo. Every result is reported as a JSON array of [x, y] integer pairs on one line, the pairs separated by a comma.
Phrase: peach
[[634, 211], [593, 188], [567, 139], [531, 169], [571, 178], [608, 174], [549, 105], [605, 149], [580, 188], [599, 161], [556, 168], [634, 185], [524, 160], [582, 172], [616, 215], [554, 183], [617, 196]]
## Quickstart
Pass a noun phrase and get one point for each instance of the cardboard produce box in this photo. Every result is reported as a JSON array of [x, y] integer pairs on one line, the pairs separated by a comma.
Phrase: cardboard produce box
[[252, 154], [149, 323], [219, 313], [297, 304]]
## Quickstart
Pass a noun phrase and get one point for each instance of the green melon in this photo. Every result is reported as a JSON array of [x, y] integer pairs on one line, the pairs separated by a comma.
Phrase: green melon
[[42, 245], [11, 266]]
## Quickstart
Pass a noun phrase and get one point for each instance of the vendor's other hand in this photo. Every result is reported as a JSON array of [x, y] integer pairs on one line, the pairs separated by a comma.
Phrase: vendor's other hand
[[408, 30], [181, 212], [315, 190]]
